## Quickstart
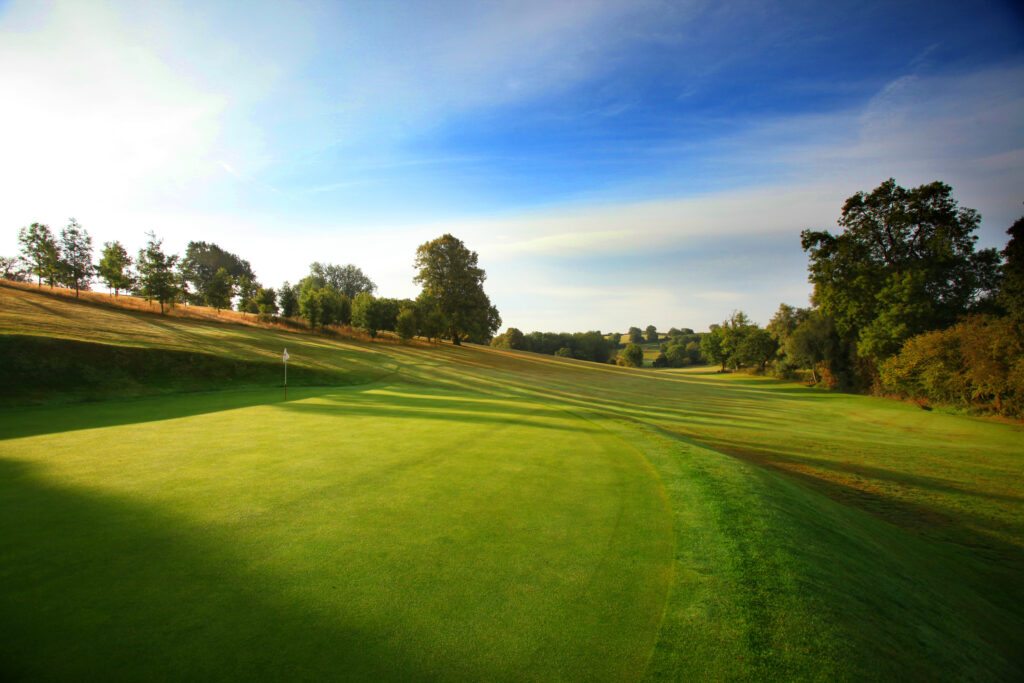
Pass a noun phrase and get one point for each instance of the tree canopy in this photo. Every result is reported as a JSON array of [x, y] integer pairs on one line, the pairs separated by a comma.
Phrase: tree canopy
[[202, 261], [1011, 287], [40, 251], [156, 273], [75, 261], [904, 263], [450, 276], [114, 266], [348, 280]]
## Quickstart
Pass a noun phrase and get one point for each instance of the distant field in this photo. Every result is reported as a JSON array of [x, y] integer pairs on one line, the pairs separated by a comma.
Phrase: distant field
[[420, 511]]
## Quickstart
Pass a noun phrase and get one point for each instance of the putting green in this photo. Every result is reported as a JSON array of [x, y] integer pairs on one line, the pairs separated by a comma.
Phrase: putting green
[[383, 531]]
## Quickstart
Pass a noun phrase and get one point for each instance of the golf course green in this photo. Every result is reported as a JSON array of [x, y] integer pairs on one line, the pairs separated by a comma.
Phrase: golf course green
[[429, 512]]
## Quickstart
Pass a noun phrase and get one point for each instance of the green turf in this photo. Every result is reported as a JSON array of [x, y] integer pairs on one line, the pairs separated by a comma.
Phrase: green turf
[[467, 513]]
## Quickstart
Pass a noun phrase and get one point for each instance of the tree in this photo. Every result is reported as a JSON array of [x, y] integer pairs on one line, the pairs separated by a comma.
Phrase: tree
[[512, 339], [266, 302], [76, 267], [632, 356], [812, 342], [615, 338], [732, 335], [335, 307], [405, 325], [636, 336], [711, 345], [904, 263], [11, 269], [652, 334], [371, 314], [40, 252], [348, 280], [450, 276], [248, 289], [758, 347], [219, 290], [156, 273], [202, 261], [1011, 287], [114, 266], [310, 304], [288, 300]]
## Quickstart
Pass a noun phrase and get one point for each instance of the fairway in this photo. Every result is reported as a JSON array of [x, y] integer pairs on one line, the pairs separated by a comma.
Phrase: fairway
[[425, 511]]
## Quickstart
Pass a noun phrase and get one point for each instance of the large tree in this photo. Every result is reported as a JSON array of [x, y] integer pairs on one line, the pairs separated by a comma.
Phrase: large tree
[[904, 263], [39, 250], [157, 279], [76, 268], [114, 266], [1011, 287], [202, 261], [450, 276], [348, 280]]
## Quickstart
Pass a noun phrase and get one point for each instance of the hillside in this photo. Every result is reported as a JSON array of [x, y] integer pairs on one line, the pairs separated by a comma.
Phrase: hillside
[[427, 511]]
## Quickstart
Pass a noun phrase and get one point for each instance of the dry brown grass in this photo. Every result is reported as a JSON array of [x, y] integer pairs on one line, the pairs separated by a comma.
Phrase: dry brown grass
[[127, 302]]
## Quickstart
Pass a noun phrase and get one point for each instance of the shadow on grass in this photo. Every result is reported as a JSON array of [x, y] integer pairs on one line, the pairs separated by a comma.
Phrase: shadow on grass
[[439, 407], [95, 587], [34, 421]]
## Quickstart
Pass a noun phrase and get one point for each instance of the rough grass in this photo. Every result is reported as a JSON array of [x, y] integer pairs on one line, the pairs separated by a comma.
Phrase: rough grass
[[463, 503]]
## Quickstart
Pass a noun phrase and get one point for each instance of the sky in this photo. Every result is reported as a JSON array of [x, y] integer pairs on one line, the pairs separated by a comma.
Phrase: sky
[[612, 163]]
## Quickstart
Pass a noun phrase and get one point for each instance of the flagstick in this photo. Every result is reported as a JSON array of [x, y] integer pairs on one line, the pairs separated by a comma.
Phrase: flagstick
[[286, 374]]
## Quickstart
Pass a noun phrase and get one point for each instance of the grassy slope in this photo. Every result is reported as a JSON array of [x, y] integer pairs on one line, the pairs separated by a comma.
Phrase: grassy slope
[[815, 535]]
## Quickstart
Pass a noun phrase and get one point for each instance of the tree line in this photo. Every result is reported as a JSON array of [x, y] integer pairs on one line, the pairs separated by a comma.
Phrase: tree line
[[903, 304], [680, 348], [451, 305]]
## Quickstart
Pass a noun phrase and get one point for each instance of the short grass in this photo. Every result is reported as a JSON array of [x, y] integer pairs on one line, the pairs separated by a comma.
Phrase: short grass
[[465, 513]]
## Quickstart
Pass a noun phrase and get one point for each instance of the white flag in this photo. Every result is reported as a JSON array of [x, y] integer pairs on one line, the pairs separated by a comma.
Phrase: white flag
[[286, 355]]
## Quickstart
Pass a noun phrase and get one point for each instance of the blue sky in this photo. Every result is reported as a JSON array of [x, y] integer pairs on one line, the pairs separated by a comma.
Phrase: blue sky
[[613, 163]]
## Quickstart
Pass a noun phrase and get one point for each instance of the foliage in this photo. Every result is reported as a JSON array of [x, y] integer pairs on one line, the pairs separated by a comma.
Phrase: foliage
[[814, 341], [615, 338], [156, 273], [405, 324], [288, 300], [39, 250], [310, 304], [592, 345], [1011, 286], [219, 290], [711, 346], [513, 338], [636, 335], [757, 347], [114, 267], [450, 276], [978, 362], [660, 361], [905, 263], [335, 307], [11, 269], [200, 264], [266, 302], [632, 356], [652, 334], [349, 280], [370, 313], [248, 289]]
